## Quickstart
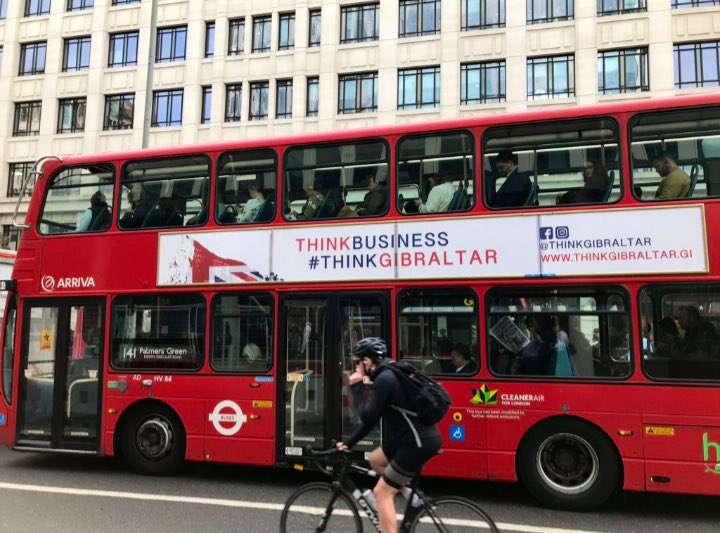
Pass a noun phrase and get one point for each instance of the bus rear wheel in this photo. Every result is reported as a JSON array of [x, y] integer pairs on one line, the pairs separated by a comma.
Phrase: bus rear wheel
[[153, 440], [568, 464]]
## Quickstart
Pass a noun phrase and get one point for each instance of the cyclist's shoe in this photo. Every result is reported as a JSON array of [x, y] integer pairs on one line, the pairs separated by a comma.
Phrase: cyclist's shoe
[[411, 513]]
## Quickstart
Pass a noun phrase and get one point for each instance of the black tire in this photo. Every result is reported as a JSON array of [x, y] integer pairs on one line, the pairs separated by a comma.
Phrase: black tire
[[569, 464], [306, 507], [153, 440], [456, 515]]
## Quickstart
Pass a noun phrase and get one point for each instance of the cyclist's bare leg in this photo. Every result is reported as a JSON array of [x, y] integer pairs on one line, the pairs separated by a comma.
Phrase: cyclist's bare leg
[[378, 461], [385, 499]]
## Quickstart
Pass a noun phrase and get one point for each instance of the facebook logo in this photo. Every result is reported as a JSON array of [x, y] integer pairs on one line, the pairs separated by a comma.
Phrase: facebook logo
[[546, 233]]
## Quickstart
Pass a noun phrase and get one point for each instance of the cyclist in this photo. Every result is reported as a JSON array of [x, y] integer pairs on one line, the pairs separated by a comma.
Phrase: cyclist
[[407, 444]]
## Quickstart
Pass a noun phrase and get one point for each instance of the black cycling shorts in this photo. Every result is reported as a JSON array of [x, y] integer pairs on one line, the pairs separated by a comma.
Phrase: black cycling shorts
[[407, 459]]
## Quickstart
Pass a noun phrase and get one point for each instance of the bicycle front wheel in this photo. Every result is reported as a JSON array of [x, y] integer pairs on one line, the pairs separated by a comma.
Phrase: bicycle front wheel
[[319, 507], [453, 515]]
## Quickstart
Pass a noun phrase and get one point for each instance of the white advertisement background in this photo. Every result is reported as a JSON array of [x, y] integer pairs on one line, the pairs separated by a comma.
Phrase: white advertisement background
[[669, 229]]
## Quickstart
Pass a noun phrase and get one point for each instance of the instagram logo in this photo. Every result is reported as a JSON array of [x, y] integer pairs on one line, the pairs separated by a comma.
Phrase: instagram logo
[[562, 232]]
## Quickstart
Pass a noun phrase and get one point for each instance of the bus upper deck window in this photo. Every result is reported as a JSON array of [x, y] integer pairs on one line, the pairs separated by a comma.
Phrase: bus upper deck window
[[246, 186]]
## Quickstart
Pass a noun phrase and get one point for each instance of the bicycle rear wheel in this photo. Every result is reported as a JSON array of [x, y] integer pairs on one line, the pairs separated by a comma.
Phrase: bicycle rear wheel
[[453, 515], [318, 507]]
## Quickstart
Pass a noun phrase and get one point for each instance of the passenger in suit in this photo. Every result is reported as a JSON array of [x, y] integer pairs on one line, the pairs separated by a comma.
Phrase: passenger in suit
[[516, 189]]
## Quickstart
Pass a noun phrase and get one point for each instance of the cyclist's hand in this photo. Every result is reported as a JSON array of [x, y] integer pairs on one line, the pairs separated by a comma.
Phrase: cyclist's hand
[[341, 447]]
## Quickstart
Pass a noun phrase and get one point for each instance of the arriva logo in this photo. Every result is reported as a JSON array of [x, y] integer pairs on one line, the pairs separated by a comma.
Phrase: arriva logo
[[707, 444], [49, 284]]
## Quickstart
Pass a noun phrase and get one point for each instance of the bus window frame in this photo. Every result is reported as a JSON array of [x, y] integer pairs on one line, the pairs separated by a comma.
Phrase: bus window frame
[[210, 192], [615, 120], [632, 122], [11, 305], [477, 310], [528, 290], [46, 192], [216, 178], [473, 154], [362, 140], [167, 370], [273, 315]]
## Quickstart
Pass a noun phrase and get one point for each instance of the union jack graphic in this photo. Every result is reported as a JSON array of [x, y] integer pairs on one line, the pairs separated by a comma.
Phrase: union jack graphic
[[208, 267]]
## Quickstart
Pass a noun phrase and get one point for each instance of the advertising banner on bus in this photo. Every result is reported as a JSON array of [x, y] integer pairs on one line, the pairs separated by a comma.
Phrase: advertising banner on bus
[[662, 240]]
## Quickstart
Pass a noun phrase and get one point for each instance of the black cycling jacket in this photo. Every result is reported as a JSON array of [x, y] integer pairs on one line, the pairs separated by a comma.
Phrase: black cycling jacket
[[386, 394]]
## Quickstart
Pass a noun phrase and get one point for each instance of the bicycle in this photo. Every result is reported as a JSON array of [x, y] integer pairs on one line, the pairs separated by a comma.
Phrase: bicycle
[[301, 513]]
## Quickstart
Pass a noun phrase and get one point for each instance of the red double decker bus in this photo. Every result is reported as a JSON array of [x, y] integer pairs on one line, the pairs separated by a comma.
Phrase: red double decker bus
[[554, 270]]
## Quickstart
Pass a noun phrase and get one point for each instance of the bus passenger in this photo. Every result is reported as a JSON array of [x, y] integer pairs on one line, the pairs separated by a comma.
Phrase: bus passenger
[[136, 213], [675, 182], [462, 361], [253, 205], [594, 189], [312, 204], [667, 338], [374, 201], [165, 214], [516, 189], [97, 217], [439, 197]]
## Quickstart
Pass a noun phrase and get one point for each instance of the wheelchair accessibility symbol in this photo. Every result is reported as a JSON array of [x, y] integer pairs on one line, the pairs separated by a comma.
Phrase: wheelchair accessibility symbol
[[457, 433]]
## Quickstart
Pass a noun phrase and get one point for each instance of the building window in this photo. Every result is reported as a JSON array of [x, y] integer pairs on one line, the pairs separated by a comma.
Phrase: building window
[[358, 93], [480, 14], [551, 77], [76, 54], [696, 65], [262, 33], [71, 115], [167, 108], [419, 17], [32, 58], [171, 44], [618, 7], [236, 37], [37, 7], [3, 9], [27, 119], [119, 111], [10, 240], [681, 4], [313, 96], [77, 5], [209, 39], [206, 105], [233, 102], [123, 2], [315, 21], [17, 174], [418, 87], [259, 100], [1, 57], [286, 39], [482, 83], [123, 49], [359, 23], [623, 71], [539, 11], [284, 99]]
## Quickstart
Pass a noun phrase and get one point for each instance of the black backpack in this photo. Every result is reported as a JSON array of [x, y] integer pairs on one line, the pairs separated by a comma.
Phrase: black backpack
[[429, 399]]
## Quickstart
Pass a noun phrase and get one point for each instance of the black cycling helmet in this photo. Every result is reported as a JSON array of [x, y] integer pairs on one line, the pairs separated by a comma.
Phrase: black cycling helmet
[[372, 347]]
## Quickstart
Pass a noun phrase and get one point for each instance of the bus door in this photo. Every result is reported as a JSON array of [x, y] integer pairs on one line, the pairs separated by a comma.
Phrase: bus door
[[60, 374], [317, 333]]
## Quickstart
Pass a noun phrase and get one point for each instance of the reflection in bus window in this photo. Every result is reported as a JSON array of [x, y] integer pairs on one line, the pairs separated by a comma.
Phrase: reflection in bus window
[[334, 181], [552, 164], [162, 193], [158, 332], [246, 187], [435, 173], [438, 331], [79, 200], [676, 154], [562, 333], [242, 330], [680, 332]]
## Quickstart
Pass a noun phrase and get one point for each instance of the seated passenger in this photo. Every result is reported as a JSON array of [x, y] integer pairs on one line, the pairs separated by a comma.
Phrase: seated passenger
[[462, 361], [97, 217], [253, 205], [164, 214], [253, 356], [516, 189], [594, 189], [314, 199], [136, 213], [439, 197], [699, 336], [374, 202], [675, 182], [667, 338]]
